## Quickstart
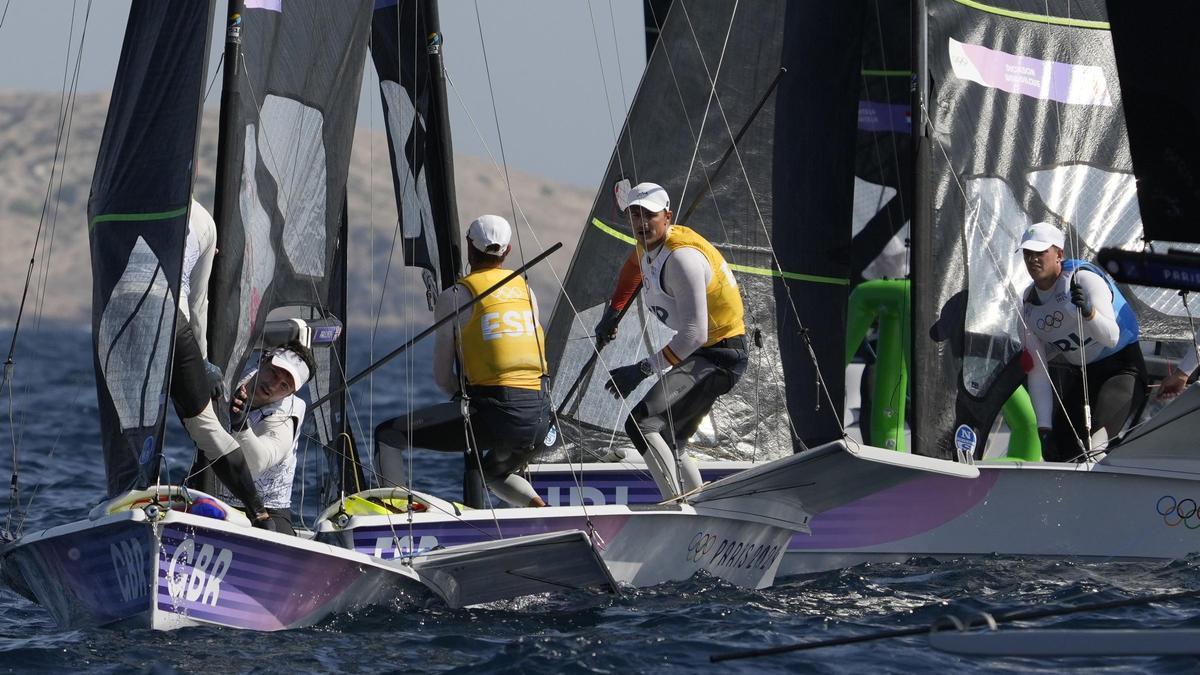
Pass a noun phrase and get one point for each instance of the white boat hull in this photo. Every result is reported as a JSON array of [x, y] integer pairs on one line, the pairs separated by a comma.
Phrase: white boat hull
[[642, 547], [1028, 510], [737, 528], [188, 570]]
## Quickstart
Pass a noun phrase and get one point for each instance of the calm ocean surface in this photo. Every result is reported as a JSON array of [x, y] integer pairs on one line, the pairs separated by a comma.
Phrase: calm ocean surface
[[670, 628]]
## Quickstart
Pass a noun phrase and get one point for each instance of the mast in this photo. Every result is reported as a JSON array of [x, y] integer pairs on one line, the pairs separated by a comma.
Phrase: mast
[[921, 221], [225, 195], [451, 254]]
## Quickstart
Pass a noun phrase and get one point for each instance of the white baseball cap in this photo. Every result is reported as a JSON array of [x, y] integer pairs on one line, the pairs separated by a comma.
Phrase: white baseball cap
[[291, 362], [490, 234], [649, 196], [1041, 236]]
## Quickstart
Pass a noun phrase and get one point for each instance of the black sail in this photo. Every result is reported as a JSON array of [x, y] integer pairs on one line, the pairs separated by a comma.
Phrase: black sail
[[288, 113], [1153, 41], [137, 222], [724, 151], [406, 46], [1026, 124], [883, 162]]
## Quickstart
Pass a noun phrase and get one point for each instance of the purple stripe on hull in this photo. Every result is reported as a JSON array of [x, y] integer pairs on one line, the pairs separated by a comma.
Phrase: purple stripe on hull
[[897, 513], [381, 541], [90, 577], [560, 488], [245, 582]]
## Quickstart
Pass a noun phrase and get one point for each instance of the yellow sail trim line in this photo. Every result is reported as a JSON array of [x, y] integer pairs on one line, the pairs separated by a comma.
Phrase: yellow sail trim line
[[129, 217], [745, 269], [1039, 18]]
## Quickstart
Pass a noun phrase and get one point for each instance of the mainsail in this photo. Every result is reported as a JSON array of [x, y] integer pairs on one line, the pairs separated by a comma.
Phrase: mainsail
[[137, 222], [1025, 124], [293, 72], [406, 45], [744, 151]]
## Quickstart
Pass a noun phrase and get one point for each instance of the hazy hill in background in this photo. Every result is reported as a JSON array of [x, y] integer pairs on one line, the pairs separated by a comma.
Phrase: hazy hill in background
[[29, 124]]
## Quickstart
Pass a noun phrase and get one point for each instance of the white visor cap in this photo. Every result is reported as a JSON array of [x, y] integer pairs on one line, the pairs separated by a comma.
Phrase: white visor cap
[[649, 196], [1040, 237], [294, 365]]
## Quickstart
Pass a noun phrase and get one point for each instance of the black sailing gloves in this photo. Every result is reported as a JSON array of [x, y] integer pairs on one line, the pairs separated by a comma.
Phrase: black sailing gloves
[[216, 382], [1081, 299], [606, 329], [622, 381]]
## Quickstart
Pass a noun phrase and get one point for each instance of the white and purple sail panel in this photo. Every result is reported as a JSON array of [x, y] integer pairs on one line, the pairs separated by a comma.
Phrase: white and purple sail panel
[[137, 222]]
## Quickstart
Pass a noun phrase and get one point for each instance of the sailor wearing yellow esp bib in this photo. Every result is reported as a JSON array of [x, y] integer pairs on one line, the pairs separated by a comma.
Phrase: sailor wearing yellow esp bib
[[499, 347]]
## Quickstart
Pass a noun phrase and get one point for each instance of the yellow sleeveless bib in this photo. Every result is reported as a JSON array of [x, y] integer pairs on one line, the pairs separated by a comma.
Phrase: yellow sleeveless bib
[[725, 309], [501, 343]]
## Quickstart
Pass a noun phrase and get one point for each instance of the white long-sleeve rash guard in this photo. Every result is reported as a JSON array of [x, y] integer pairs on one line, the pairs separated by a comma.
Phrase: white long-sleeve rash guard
[[677, 294], [1051, 332]]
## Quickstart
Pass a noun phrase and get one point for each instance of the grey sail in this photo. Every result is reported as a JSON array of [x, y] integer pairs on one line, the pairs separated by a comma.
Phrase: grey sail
[[1025, 124], [406, 47], [137, 225], [288, 111], [744, 151]]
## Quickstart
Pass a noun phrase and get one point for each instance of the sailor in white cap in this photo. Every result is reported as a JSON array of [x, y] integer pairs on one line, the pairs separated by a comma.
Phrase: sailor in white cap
[[1064, 296], [266, 417], [688, 285], [499, 349]]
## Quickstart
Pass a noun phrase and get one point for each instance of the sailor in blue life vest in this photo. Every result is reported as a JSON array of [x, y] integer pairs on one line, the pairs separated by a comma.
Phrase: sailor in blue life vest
[[266, 416], [1074, 315], [195, 382], [690, 288], [503, 413]]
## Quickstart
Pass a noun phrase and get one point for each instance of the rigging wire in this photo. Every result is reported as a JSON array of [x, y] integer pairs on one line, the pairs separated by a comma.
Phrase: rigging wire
[[821, 380], [67, 98]]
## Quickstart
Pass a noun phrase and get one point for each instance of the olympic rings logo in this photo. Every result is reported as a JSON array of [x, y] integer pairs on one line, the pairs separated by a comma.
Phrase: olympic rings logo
[[1176, 511], [1050, 320], [701, 544]]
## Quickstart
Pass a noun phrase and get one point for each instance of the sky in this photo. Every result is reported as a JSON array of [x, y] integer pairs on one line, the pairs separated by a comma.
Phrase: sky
[[549, 62]]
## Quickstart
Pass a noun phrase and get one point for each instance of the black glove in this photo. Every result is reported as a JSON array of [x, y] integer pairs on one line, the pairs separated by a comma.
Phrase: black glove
[[622, 381], [261, 523], [606, 329], [216, 382], [232, 471], [1049, 447], [237, 418], [1081, 299]]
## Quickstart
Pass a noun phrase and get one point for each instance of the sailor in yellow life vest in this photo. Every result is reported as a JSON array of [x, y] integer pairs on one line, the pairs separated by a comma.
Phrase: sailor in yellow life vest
[[690, 288], [499, 348]]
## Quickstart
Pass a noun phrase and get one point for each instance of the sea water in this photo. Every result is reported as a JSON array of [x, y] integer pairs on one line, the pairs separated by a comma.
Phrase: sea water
[[50, 414]]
